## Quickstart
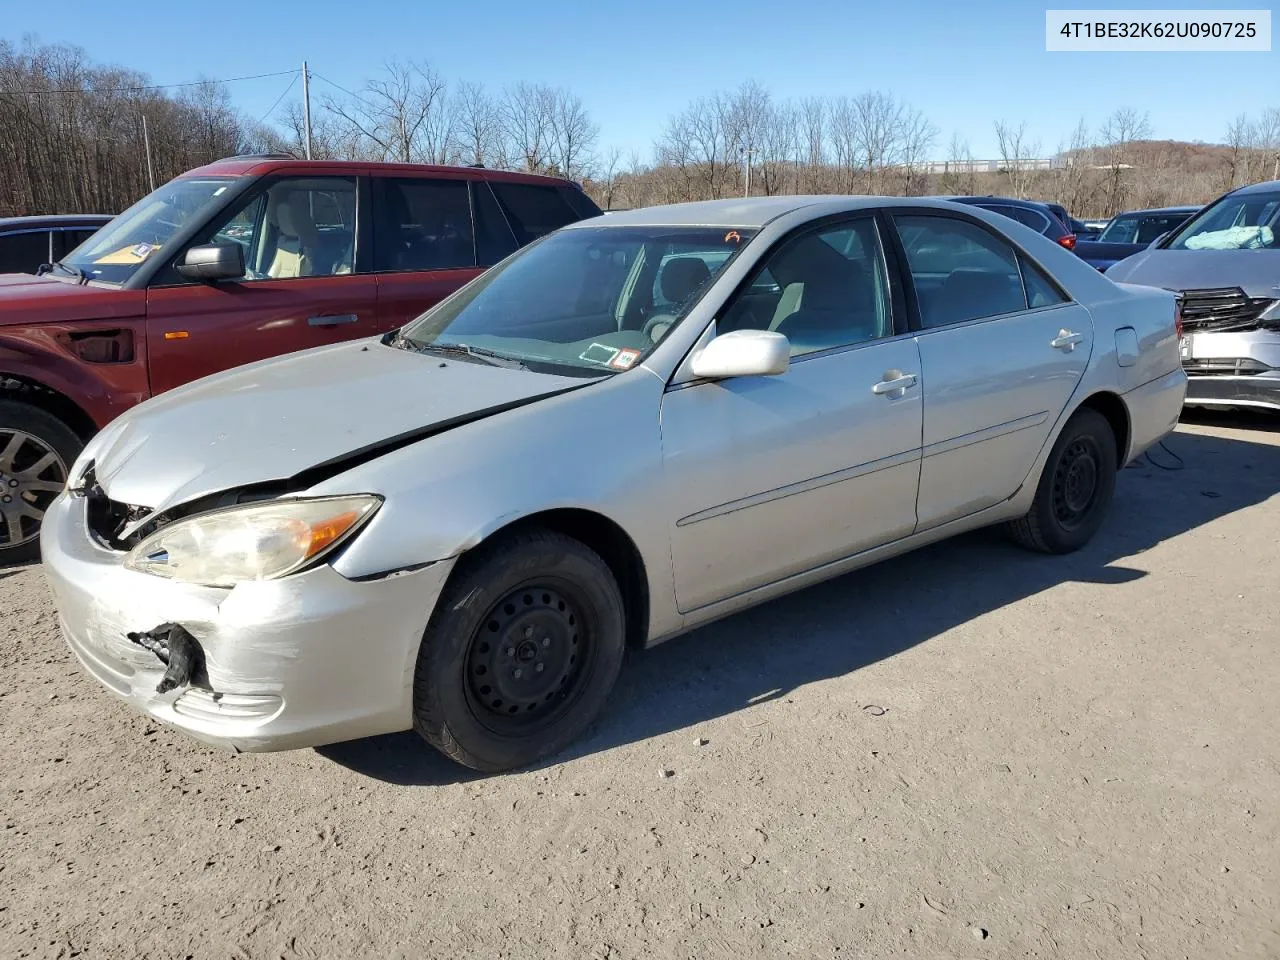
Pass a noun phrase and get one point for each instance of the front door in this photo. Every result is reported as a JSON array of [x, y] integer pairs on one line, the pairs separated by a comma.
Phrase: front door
[[299, 289], [1002, 349], [770, 476]]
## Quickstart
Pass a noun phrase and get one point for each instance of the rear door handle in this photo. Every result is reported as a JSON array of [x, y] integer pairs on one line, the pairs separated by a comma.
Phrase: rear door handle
[[894, 385], [1066, 340], [332, 320]]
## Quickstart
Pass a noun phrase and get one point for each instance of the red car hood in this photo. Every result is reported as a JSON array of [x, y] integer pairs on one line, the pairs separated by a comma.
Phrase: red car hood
[[26, 299]]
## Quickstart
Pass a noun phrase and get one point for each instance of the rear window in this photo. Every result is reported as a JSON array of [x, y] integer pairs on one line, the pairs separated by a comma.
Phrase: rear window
[[533, 211], [422, 224]]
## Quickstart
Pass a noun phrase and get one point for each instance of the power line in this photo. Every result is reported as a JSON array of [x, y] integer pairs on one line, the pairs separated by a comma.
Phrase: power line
[[354, 96], [279, 98], [148, 86]]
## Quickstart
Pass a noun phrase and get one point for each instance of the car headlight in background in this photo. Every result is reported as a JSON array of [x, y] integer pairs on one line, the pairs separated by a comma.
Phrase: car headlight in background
[[264, 541]]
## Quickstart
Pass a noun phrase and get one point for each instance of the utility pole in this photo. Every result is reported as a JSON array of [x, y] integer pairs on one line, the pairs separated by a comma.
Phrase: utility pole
[[747, 151], [1275, 172], [306, 108], [146, 144]]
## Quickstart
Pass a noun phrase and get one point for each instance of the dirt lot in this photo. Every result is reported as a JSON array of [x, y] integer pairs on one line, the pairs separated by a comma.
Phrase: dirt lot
[[968, 752]]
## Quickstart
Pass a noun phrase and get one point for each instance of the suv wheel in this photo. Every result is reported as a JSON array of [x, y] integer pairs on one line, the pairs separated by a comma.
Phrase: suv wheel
[[36, 453]]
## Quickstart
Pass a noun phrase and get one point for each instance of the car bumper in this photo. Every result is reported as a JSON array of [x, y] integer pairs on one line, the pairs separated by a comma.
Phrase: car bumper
[[1261, 390], [1154, 409], [302, 661]]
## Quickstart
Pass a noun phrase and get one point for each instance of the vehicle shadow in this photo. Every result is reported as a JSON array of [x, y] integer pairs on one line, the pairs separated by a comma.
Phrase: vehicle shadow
[[844, 624]]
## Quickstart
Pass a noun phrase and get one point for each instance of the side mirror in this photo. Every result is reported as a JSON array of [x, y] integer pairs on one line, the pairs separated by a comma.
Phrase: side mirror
[[213, 261], [743, 353]]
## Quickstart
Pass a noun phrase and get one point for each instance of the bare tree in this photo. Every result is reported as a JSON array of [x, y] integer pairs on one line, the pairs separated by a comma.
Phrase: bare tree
[[397, 116], [573, 134], [478, 127], [1117, 136], [1016, 148], [916, 136], [813, 120], [877, 133], [960, 176]]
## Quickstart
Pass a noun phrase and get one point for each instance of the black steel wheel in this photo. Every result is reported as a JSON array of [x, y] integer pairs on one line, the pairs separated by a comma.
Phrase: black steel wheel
[[36, 453], [521, 653], [1075, 488]]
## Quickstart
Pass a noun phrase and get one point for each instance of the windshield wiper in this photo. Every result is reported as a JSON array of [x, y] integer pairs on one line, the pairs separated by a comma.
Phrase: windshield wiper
[[73, 270], [491, 357]]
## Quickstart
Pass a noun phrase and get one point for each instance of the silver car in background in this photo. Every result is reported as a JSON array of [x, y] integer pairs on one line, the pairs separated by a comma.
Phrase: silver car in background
[[634, 426], [1226, 263]]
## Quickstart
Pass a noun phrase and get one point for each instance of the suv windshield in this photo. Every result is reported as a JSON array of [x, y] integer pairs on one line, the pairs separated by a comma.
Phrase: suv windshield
[[116, 251], [582, 301], [1243, 221]]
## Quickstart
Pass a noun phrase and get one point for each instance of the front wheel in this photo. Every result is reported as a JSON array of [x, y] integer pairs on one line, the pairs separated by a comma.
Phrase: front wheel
[[1075, 488], [36, 453], [521, 653]]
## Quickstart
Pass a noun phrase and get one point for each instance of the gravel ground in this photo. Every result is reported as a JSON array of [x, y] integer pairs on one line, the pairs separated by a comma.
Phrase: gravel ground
[[967, 752]]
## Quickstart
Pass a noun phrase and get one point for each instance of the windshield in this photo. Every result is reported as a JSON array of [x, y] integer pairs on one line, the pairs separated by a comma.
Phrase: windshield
[[585, 301], [1242, 221], [116, 251], [1141, 229]]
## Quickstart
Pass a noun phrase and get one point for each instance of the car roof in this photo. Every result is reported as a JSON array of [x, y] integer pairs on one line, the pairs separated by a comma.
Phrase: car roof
[[1267, 186], [1156, 210], [1009, 201], [54, 220], [259, 165], [747, 212]]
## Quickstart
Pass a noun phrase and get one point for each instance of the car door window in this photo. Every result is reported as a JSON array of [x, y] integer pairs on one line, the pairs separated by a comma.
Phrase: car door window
[[827, 288], [960, 271], [422, 224], [303, 227], [533, 210], [1041, 291], [23, 252], [494, 239]]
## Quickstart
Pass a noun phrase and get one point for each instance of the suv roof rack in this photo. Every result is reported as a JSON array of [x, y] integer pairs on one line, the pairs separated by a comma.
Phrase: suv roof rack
[[260, 156]]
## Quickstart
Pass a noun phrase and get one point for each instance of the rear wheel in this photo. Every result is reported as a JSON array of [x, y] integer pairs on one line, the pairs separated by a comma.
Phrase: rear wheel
[[1075, 488], [521, 653], [36, 453]]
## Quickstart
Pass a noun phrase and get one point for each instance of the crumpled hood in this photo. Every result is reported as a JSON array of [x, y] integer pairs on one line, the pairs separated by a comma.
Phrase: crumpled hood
[[26, 299], [1257, 272], [271, 420]]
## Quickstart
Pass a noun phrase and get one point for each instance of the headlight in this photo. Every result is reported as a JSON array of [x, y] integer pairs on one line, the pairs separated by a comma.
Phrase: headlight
[[264, 541]]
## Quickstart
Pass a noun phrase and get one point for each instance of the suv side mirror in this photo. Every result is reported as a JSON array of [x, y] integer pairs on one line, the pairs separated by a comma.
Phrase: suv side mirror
[[743, 353], [213, 262]]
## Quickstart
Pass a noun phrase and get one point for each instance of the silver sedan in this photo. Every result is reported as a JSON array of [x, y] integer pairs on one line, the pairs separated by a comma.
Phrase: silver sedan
[[632, 427]]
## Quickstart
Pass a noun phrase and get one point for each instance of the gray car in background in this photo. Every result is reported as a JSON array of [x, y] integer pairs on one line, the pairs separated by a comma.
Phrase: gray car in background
[[1226, 263]]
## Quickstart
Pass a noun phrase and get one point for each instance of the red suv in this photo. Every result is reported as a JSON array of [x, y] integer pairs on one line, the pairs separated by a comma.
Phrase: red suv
[[237, 261]]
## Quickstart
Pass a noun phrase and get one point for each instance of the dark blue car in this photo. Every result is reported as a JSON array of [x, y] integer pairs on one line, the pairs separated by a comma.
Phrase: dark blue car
[[1131, 232]]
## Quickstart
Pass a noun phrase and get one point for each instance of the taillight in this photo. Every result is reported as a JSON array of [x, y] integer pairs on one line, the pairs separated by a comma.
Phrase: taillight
[[1069, 241], [1177, 316]]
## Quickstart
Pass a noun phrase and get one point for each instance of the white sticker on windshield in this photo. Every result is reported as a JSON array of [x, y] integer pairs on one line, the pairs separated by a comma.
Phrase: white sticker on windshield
[[599, 353], [625, 359]]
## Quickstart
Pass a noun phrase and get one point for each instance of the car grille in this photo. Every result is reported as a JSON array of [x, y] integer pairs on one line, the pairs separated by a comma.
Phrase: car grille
[[1226, 308], [1224, 367]]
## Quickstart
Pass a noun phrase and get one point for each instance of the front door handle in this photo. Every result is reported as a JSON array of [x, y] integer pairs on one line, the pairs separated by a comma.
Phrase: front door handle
[[332, 320], [1066, 340], [895, 384]]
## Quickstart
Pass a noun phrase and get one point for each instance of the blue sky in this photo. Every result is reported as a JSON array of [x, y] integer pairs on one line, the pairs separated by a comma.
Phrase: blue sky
[[635, 63]]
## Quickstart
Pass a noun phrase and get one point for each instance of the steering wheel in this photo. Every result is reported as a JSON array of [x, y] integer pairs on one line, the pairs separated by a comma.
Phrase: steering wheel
[[658, 319]]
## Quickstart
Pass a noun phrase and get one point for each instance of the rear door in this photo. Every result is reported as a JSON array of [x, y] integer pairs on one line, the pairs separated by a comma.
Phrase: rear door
[[1002, 349], [424, 244], [300, 288]]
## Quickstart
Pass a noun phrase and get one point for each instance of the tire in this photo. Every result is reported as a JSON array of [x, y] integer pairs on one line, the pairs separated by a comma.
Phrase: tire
[[1075, 488], [28, 437], [521, 653]]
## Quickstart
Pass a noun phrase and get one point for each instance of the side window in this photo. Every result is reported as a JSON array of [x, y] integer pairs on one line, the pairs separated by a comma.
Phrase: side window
[[23, 252], [959, 270], [532, 210], [1036, 221], [829, 289], [64, 241], [422, 224], [303, 227], [1040, 290], [494, 239]]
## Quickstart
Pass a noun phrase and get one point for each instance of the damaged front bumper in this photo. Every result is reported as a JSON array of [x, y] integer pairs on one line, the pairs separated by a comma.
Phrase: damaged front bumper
[[309, 659], [1238, 368]]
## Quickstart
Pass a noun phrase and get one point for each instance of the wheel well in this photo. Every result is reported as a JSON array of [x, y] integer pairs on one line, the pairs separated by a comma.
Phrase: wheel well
[[36, 394], [1112, 407], [614, 546]]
